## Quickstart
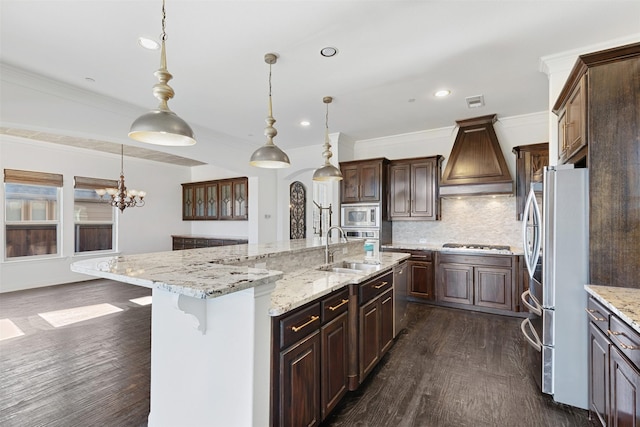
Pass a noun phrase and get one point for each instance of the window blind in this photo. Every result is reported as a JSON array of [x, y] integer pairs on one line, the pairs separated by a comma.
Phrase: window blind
[[32, 178], [86, 183]]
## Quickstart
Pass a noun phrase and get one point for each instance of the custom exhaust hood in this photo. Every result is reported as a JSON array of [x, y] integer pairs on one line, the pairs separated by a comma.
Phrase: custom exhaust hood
[[476, 165]]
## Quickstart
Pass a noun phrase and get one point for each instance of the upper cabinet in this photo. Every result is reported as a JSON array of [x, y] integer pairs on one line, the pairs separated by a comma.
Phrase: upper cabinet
[[224, 199], [413, 185], [572, 123], [363, 180], [530, 162]]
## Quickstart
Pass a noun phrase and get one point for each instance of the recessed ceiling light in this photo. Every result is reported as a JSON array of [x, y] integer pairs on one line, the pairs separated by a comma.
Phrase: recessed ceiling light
[[328, 51], [442, 93], [305, 123], [148, 43]]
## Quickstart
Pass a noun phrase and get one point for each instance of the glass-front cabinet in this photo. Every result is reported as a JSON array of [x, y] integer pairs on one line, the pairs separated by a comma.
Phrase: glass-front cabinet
[[224, 199]]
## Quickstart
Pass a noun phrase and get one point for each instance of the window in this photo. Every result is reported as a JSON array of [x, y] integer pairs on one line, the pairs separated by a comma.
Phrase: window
[[32, 226], [93, 217]]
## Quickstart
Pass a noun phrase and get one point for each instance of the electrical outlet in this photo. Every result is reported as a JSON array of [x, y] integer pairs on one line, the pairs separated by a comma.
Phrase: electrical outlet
[[344, 251]]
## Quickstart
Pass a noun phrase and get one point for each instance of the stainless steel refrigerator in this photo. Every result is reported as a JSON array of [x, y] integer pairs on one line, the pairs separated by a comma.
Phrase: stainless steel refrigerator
[[556, 246]]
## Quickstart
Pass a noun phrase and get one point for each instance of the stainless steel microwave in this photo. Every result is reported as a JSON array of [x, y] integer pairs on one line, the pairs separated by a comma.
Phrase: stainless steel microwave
[[360, 215]]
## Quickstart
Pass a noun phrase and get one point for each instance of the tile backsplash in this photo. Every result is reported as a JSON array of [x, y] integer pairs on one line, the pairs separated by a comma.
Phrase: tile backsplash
[[484, 220]]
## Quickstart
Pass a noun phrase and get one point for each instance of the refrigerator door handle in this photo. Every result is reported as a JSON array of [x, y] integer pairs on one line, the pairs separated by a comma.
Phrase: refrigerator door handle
[[531, 254], [533, 308], [535, 341]]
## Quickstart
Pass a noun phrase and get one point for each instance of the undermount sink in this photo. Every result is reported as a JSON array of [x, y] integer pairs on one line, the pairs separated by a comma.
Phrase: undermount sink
[[350, 267]]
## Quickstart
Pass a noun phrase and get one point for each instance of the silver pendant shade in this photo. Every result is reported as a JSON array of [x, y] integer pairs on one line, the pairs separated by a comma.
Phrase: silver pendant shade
[[162, 126], [269, 155], [327, 172]]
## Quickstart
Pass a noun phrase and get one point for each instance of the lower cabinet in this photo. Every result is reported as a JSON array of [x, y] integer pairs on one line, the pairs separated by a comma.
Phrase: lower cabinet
[[614, 372], [485, 281], [310, 345], [375, 322]]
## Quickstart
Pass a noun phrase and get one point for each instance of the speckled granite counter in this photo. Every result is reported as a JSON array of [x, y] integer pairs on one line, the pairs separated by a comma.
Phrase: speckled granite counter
[[213, 272], [436, 246], [624, 302]]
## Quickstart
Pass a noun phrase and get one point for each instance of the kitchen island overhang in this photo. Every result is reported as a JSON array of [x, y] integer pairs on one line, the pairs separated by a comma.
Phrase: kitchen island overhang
[[211, 322]]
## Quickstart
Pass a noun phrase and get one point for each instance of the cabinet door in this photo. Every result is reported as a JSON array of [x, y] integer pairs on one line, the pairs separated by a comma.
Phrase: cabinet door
[[369, 337], [493, 287], [240, 200], [423, 191], [350, 184], [386, 321], [625, 391], [187, 202], [400, 190], [562, 136], [226, 200], [576, 119], [300, 383], [421, 279], [199, 202], [370, 182], [456, 283], [334, 362], [211, 193], [599, 374]]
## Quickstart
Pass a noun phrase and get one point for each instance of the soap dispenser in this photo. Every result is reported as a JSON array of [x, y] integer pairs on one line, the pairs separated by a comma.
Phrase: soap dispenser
[[371, 251]]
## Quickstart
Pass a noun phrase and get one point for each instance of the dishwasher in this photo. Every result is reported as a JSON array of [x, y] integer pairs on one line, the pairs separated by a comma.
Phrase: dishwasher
[[400, 294]]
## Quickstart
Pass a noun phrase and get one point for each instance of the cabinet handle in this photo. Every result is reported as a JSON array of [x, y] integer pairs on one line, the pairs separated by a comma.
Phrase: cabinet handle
[[297, 328], [381, 285], [623, 345], [334, 308], [418, 256], [590, 312]]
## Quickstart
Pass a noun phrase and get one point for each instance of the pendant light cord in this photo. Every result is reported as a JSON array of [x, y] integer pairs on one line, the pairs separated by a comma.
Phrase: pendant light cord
[[163, 36]]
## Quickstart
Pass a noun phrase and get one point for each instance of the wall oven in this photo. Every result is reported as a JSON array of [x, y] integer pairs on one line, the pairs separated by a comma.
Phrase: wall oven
[[360, 216]]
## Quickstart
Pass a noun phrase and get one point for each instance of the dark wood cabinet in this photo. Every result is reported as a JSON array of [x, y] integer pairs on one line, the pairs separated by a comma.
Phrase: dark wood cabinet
[[194, 242], [311, 346], [363, 180], [481, 281], [213, 200], [414, 185], [572, 124], [421, 278], [375, 320], [530, 162], [614, 372]]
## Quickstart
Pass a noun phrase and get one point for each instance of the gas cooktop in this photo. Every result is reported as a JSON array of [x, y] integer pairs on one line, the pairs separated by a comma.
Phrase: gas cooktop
[[477, 247]]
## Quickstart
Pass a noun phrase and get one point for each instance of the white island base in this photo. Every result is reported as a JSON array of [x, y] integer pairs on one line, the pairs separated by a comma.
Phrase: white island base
[[210, 359]]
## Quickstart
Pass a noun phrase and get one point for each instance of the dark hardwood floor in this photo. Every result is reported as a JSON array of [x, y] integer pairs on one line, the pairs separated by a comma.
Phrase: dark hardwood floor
[[449, 368]]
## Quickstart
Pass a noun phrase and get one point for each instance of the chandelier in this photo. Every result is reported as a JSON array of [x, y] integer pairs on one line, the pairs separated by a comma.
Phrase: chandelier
[[122, 198]]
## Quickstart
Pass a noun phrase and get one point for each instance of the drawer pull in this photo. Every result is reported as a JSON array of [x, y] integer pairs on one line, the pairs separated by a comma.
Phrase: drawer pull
[[419, 256], [334, 308], [297, 328], [623, 345], [381, 285], [590, 312]]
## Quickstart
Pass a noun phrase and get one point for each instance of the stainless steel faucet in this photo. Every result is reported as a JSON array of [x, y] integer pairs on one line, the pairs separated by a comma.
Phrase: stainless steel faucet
[[328, 256]]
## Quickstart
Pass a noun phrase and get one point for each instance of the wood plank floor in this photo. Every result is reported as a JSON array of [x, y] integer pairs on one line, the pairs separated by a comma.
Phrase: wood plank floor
[[449, 368]]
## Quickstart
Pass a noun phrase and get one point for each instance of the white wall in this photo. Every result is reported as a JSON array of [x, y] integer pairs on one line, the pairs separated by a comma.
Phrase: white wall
[[462, 221], [141, 229]]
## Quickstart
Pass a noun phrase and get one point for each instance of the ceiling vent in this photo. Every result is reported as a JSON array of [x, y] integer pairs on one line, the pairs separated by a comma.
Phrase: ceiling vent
[[476, 165], [475, 101]]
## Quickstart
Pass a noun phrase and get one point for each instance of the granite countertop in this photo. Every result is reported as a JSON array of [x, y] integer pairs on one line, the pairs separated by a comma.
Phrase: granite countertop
[[435, 246], [212, 272], [624, 302]]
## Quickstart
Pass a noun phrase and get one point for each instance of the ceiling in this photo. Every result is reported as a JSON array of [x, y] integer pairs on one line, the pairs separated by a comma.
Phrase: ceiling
[[392, 57]]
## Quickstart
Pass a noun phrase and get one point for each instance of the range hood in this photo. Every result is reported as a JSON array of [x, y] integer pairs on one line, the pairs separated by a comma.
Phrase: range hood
[[476, 165]]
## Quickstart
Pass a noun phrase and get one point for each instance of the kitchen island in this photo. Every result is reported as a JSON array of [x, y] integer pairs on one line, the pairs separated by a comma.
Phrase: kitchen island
[[210, 344]]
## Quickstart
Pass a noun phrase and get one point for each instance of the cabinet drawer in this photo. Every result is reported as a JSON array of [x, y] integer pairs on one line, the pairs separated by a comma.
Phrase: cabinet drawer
[[375, 287], [298, 325], [334, 305], [625, 338], [598, 314], [498, 261], [421, 255]]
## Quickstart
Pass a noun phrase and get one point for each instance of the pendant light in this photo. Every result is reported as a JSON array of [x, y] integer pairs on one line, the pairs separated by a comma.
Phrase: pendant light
[[269, 155], [162, 126], [328, 172]]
